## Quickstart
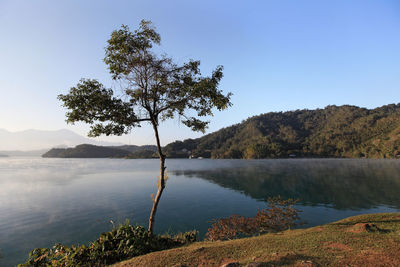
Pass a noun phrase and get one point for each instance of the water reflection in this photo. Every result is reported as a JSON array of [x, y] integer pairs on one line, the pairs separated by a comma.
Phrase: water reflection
[[71, 201], [337, 183]]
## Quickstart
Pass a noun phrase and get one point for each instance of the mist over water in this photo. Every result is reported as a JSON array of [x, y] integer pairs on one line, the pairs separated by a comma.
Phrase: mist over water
[[71, 201]]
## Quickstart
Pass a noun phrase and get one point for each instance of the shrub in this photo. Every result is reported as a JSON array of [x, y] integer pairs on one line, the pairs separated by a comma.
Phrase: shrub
[[279, 216], [123, 242]]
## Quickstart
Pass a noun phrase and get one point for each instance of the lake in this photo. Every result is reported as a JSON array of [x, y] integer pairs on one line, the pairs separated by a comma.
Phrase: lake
[[71, 201]]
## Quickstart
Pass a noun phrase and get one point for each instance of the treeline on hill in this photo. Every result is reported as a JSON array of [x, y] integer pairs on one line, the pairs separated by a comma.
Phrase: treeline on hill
[[92, 151], [335, 131]]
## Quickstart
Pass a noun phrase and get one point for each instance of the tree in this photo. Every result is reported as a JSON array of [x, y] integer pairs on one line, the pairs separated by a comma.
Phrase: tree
[[154, 89]]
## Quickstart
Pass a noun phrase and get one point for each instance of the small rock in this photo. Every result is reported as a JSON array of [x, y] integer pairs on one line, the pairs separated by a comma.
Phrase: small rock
[[307, 263], [257, 264], [364, 227], [231, 264], [200, 249]]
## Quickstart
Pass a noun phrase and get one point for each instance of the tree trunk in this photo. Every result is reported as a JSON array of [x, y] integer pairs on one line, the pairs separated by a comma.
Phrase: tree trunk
[[161, 184]]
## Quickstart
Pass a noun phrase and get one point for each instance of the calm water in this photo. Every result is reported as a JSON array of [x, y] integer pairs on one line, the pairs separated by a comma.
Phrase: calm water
[[71, 201]]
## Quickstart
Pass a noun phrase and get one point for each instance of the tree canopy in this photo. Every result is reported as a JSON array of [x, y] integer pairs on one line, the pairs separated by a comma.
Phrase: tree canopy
[[155, 88]]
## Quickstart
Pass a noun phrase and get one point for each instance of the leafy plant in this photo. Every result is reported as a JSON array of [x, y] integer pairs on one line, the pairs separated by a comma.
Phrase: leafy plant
[[123, 242], [279, 216]]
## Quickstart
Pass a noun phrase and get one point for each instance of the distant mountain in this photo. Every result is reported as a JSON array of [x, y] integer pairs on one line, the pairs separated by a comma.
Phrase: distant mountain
[[18, 153], [335, 131], [37, 140], [92, 151], [3, 156]]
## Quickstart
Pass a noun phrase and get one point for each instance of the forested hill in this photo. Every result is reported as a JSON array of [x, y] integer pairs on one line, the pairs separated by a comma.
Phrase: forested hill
[[92, 151], [335, 131]]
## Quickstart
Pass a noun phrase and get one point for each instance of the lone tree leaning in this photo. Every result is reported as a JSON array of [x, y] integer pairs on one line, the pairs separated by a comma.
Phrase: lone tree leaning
[[154, 89]]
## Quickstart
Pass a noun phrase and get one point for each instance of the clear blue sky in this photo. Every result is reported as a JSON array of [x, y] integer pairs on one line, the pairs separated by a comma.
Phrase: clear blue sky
[[278, 55]]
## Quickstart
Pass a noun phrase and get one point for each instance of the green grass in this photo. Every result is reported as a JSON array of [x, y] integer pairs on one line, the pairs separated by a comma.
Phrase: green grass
[[344, 243]]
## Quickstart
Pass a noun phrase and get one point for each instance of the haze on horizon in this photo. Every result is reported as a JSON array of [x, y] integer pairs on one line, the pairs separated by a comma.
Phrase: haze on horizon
[[278, 55], [32, 140]]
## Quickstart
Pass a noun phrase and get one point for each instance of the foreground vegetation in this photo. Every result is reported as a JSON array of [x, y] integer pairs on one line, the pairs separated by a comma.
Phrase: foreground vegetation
[[335, 131], [128, 241], [366, 240], [123, 242]]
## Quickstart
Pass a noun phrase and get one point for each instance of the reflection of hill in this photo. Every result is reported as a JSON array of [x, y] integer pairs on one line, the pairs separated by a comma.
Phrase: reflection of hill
[[342, 184]]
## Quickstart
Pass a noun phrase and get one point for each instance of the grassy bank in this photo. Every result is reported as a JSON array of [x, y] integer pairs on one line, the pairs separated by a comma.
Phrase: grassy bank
[[365, 240]]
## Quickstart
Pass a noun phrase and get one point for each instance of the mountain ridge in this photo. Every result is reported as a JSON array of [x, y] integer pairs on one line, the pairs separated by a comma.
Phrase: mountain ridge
[[335, 131]]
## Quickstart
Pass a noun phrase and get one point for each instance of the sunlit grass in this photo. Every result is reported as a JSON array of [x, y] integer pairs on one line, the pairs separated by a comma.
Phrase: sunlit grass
[[346, 242]]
